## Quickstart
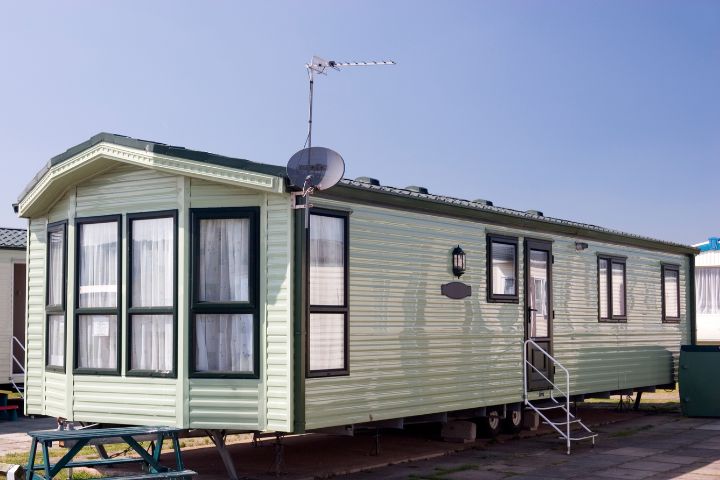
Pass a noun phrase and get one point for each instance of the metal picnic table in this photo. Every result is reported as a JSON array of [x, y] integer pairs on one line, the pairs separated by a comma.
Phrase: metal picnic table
[[80, 438]]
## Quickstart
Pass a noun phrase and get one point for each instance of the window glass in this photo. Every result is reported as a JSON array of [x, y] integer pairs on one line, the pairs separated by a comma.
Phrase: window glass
[[56, 277], [56, 341], [618, 289], [603, 287], [97, 341], [672, 287], [152, 343], [152, 262], [539, 313], [503, 268], [707, 286], [224, 343], [327, 341], [327, 260], [98, 257], [224, 260]]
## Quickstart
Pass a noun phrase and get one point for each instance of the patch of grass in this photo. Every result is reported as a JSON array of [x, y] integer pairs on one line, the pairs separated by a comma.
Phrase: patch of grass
[[441, 472]]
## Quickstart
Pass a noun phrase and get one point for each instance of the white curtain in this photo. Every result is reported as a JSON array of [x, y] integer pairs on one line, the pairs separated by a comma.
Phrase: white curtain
[[327, 260], [55, 265], [539, 318], [618, 289], [98, 264], [224, 342], [327, 341], [56, 340], [152, 343], [672, 309], [153, 262], [97, 341], [707, 285], [603, 287], [503, 268], [224, 260]]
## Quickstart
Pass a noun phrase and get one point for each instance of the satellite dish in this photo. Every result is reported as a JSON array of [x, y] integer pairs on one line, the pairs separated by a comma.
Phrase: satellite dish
[[316, 167]]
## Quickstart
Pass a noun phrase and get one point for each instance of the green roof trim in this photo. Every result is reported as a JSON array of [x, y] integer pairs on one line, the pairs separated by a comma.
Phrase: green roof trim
[[389, 196]]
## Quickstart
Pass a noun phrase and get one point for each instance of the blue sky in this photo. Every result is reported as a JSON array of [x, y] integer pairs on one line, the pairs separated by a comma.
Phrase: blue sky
[[602, 112]]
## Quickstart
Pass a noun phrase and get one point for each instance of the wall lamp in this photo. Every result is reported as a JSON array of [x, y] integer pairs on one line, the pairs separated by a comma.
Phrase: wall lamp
[[580, 246], [458, 261]]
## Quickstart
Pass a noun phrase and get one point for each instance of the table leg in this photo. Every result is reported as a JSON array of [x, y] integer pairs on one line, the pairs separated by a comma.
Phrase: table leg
[[46, 460], [178, 455], [31, 460], [153, 465]]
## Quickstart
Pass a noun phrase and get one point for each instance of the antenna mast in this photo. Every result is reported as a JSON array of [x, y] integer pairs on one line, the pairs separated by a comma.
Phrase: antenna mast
[[319, 65]]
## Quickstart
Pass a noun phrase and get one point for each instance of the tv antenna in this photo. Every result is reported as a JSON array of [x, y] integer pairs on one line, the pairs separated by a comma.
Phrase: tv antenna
[[318, 168]]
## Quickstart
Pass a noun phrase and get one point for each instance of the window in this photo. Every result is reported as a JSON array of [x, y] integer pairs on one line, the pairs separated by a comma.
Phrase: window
[[670, 293], [611, 289], [502, 272], [225, 293], [98, 295], [328, 287], [55, 296], [707, 286], [151, 289]]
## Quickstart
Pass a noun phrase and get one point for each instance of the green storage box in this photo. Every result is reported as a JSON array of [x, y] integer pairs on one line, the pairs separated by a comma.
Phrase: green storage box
[[699, 385]]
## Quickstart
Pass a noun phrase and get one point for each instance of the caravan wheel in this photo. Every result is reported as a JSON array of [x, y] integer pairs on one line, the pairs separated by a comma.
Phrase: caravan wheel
[[513, 421], [491, 425]]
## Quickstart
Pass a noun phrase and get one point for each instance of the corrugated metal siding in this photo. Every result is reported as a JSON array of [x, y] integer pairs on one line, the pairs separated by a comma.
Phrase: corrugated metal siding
[[54, 398], [279, 316], [413, 351], [225, 404], [127, 188], [124, 400], [35, 318]]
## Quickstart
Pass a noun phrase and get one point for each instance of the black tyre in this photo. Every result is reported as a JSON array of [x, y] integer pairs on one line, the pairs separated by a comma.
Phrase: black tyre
[[491, 425], [513, 422]]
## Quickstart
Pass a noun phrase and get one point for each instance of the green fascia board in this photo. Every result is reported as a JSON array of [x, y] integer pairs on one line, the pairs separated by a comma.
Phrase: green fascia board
[[462, 209]]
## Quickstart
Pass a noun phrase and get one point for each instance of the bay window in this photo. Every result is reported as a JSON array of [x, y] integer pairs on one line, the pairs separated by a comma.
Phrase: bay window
[[225, 292], [56, 269], [502, 272], [670, 289], [611, 289], [97, 295], [328, 291], [152, 286]]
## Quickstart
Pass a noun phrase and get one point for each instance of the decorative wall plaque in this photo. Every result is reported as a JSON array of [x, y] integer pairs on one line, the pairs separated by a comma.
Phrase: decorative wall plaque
[[456, 290]]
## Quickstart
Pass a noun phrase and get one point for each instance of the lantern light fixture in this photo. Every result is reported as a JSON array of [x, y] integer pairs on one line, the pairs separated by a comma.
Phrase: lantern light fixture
[[458, 261]]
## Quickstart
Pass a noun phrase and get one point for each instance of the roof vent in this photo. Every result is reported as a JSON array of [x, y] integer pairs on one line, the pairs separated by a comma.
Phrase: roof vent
[[535, 212], [371, 181], [482, 201], [415, 188]]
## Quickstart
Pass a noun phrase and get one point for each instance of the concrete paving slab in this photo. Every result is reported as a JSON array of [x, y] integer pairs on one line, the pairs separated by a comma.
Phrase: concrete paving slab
[[709, 426], [634, 451], [627, 473], [476, 475], [13, 435], [650, 465], [677, 459]]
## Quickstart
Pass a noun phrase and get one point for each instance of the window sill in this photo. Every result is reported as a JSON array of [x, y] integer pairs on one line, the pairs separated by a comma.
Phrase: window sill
[[97, 371], [512, 299], [228, 375], [55, 369], [328, 373], [151, 373]]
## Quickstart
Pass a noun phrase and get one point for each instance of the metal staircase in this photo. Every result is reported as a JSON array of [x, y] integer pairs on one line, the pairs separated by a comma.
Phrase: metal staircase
[[566, 424], [16, 361]]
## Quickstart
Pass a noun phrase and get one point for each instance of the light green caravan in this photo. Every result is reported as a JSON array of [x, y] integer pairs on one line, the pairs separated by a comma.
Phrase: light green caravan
[[168, 286]]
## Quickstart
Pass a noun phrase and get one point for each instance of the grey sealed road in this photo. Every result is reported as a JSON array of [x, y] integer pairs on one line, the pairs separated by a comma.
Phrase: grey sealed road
[[654, 447], [13, 435]]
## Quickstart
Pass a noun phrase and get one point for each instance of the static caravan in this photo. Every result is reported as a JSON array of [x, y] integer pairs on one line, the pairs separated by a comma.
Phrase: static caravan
[[707, 284], [12, 308], [168, 286]]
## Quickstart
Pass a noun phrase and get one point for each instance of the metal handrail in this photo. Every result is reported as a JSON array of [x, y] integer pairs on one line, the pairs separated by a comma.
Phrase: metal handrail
[[13, 341], [555, 387]]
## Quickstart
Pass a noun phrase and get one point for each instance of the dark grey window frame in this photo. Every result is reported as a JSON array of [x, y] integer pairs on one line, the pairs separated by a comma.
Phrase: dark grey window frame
[[52, 310], [675, 268], [117, 310], [252, 306], [612, 260], [498, 297], [130, 311], [331, 309]]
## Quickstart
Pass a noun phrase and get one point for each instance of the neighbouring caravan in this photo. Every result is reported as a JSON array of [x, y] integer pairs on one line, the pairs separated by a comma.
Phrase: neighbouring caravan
[[12, 308], [707, 281], [168, 286]]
